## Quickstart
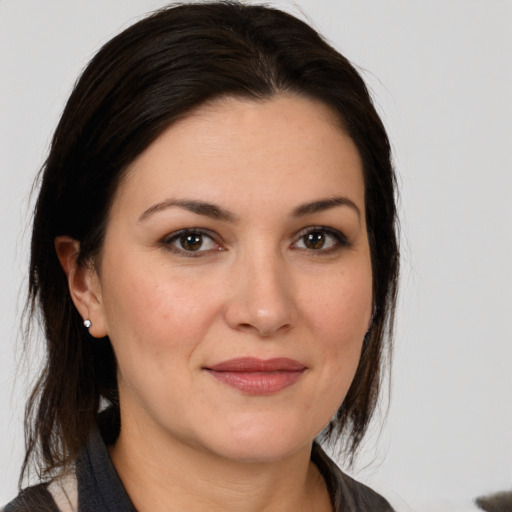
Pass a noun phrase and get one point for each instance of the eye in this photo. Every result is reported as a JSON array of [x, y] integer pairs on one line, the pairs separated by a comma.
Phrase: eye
[[320, 239], [191, 241]]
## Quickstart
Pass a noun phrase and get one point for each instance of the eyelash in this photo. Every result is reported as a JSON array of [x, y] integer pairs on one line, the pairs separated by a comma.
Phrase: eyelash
[[340, 241], [173, 237]]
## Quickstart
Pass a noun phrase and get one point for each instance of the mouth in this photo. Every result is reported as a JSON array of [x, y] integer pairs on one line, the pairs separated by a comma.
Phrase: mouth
[[254, 376]]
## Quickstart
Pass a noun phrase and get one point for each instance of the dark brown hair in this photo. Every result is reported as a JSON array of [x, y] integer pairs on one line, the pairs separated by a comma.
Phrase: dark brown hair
[[140, 82]]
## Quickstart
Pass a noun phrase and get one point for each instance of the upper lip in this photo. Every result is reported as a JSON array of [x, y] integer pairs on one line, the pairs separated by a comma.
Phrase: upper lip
[[253, 364]]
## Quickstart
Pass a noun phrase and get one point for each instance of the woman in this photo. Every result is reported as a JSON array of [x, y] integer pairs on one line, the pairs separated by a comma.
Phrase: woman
[[215, 259]]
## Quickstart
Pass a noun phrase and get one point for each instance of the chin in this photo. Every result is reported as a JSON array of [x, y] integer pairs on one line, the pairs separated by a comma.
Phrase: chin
[[262, 452], [261, 443]]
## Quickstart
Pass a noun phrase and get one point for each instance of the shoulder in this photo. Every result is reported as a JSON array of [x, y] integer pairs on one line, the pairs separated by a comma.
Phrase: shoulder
[[32, 499], [365, 497], [59, 495], [347, 494]]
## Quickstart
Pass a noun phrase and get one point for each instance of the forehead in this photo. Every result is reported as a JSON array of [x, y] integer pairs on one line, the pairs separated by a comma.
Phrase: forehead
[[238, 151]]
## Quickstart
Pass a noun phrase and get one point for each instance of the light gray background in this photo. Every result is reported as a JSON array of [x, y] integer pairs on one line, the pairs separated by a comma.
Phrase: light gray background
[[441, 75]]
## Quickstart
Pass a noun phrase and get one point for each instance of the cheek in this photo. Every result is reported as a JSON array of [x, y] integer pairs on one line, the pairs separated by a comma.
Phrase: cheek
[[152, 310], [340, 317], [341, 307]]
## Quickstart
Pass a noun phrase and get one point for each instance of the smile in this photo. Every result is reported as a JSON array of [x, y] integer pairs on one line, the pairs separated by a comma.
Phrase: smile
[[256, 376]]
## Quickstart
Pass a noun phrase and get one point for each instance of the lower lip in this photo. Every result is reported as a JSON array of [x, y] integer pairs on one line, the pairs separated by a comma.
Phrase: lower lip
[[258, 383]]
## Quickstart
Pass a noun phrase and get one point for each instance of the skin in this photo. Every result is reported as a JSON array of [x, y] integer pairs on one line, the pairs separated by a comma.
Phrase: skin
[[254, 288]]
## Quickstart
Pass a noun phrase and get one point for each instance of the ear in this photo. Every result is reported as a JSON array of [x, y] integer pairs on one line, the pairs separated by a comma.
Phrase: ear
[[84, 285]]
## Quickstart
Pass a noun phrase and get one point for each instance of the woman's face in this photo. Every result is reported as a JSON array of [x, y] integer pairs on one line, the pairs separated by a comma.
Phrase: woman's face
[[235, 278]]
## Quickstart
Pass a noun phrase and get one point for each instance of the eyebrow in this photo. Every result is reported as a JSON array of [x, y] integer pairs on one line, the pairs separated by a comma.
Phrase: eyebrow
[[199, 207], [325, 204], [216, 212]]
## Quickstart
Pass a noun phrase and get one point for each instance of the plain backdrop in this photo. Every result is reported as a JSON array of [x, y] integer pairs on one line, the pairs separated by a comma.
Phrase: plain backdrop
[[441, 75]]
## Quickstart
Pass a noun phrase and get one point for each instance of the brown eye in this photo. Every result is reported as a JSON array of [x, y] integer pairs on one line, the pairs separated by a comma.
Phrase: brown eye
[[314, 240], [321, 240], [191, 241]]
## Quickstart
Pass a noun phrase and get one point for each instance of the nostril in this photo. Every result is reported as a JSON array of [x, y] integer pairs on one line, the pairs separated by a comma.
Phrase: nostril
[[260, 308], [264, 330]]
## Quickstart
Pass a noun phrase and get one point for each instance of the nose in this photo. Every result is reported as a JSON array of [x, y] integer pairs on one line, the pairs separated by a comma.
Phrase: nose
[[261, 297]]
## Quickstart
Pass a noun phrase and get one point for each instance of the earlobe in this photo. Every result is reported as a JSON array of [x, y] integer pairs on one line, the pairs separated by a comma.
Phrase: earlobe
[[84, 285]]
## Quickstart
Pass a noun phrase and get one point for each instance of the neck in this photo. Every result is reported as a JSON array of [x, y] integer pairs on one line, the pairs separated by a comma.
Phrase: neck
[[171, 475]]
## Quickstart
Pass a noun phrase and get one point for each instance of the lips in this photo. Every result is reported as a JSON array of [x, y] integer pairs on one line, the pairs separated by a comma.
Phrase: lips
[[258, 376]]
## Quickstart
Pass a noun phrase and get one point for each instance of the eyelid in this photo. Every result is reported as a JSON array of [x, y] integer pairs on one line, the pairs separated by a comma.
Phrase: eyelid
[[168, 239], [341, 239]]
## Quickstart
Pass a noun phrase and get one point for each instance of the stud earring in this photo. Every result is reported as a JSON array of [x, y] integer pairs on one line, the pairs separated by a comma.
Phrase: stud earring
[[87, 323]]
